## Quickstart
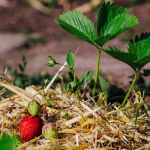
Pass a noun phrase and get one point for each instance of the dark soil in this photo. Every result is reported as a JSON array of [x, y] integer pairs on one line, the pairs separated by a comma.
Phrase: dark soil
[[57, 42]]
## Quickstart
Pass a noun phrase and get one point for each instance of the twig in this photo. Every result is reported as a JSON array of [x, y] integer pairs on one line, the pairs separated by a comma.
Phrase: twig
[[49, 85]]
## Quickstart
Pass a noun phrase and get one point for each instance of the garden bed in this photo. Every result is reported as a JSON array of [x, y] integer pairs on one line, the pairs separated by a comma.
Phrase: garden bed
[[86, 127]]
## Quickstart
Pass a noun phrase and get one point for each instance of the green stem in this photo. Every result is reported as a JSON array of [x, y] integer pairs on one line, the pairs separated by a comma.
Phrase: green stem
[[135, 127], [96, 75], [78, 97], [75, 80], [131, 87], [62, 65]]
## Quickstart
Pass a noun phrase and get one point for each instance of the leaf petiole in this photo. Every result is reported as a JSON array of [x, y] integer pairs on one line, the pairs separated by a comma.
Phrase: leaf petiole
[[63, 65], [97, 69], [75, 80], [131, 87]]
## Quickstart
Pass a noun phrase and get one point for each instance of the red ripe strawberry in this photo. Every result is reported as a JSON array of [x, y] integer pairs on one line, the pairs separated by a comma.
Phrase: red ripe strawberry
[[30, 127]]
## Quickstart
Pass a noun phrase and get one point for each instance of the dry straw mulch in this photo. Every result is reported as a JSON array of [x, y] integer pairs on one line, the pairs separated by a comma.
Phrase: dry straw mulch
[[86, 128]]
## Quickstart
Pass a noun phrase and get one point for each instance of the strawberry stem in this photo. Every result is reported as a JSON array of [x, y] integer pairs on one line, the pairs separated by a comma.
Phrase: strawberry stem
[[44, 115], [45, 119]]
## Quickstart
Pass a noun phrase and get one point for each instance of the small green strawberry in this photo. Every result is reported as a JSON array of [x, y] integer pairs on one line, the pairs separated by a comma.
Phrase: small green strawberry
[[49, 131], [33, 107]]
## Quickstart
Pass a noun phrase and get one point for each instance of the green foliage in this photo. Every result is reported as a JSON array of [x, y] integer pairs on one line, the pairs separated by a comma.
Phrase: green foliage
[[112, 21], [70, 59], [73, 87], [35, 40], [112, 92], [137, 2], [50, 3], [138, 53], [86, 78], [71, 75], [146, 72], [122, 56], [104, 84], [21, 79], [141, 84], [8, 141], [79, 25], [30, 41], [22, 31]]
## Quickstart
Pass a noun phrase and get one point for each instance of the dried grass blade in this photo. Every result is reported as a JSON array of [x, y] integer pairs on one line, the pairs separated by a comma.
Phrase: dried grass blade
[[124, 108], [146, 146], [79, 117], [88, 121], [28, 143], [68, 131], [109, 138], [147, 109], [21, 92], [79, 147]]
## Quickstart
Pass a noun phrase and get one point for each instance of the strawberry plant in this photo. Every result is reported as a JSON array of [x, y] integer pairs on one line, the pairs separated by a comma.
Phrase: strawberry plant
[[137, 57], [74, 85], [112, 21]]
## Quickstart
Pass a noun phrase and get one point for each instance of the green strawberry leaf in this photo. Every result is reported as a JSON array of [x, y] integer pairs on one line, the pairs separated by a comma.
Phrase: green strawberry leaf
[[7, 143], [104, 84], [146, 72], [122, 56], [77, 24], [112, 21], [141, 46], [138, 54], [70, 59], [86, 78]]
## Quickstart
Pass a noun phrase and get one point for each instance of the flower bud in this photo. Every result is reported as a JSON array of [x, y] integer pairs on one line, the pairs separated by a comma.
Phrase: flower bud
[[51, 62]]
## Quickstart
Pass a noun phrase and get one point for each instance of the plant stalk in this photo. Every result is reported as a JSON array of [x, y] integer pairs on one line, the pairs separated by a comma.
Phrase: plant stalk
[[63, 65], [131, 87], [75, 80], [96, 75], [135, 127]]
